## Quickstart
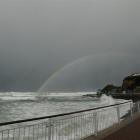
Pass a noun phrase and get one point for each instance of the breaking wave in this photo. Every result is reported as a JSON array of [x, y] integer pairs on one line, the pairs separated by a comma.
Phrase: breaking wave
[[17, 96]]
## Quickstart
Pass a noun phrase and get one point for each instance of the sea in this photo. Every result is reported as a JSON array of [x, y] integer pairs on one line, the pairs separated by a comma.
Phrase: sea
[[24, 105]]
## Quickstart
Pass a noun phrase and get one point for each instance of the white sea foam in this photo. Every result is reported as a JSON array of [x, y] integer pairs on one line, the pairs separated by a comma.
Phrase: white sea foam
[[15, 96]]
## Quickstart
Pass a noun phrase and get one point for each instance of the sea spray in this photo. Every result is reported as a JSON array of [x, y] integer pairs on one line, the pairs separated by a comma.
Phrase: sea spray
[[107, 100]]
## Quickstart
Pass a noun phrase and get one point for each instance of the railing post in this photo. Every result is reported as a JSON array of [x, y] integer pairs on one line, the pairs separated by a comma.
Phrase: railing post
[[118, 113], [138, 106], [96, 124], [131, 109], [49, 129]]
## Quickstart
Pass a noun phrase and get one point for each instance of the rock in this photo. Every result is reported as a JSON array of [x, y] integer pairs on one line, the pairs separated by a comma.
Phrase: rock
[[111, 89], [131, 83]]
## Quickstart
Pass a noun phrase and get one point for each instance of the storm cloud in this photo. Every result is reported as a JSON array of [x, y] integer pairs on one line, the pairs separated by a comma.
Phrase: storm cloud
[[39, 37]]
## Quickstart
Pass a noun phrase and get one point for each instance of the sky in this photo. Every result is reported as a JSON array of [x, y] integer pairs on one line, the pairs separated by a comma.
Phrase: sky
[[40, 37]]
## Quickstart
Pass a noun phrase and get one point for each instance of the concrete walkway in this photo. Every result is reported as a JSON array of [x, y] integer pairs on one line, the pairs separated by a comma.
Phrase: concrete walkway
[[129, 130]]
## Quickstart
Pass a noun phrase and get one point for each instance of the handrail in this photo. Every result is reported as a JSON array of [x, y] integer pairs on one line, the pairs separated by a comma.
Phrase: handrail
[[58, 115]]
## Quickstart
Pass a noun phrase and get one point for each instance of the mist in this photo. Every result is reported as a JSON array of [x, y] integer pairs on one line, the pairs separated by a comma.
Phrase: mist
[[38, 38]]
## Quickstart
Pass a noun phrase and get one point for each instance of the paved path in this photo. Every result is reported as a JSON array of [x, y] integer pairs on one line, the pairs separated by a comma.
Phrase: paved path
[[129, 132]]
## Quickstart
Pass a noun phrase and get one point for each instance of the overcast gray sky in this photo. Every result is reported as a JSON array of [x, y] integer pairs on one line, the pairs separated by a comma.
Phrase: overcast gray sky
[[38, 37]]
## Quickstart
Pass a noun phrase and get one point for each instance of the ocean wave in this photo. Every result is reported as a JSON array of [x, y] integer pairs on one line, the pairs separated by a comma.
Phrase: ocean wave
[[17, 96], [32, 96]]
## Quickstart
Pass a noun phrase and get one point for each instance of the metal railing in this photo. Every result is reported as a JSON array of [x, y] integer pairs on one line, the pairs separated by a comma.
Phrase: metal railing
[[69, 126]]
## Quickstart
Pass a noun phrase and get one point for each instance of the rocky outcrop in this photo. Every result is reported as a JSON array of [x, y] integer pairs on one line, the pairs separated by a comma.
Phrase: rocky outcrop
[[111, 89], [130, 84]]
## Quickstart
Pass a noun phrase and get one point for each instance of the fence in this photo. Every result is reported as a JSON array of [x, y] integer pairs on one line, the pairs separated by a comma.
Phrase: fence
[[68, 126]]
